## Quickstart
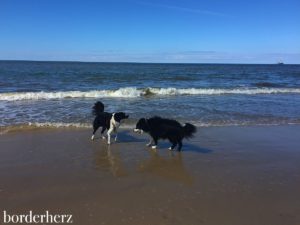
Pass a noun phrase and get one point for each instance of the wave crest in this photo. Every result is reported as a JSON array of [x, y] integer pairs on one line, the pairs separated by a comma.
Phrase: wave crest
[[133, 92]]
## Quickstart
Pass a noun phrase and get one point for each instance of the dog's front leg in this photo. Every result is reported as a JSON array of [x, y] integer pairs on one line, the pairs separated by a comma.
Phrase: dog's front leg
[[109, 134], [150, 142], [155, 143], [95, 126], [117, 125]]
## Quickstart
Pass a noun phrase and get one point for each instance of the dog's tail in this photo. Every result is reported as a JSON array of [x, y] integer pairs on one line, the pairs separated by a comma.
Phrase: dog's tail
[[98, 108], [189, 130]]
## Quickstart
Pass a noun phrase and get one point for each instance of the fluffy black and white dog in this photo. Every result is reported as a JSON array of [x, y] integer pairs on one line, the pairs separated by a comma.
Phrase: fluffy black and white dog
[[108, 121], [160, 128]]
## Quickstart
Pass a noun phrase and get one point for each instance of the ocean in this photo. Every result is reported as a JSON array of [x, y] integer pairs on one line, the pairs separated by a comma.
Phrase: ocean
[[61, 94]]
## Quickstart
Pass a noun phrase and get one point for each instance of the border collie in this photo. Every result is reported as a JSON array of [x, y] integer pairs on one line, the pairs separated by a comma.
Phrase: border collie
[[108, 121], [160, 128]]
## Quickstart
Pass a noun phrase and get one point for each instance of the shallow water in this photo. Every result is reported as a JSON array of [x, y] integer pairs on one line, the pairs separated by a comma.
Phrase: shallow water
[[62, 93]]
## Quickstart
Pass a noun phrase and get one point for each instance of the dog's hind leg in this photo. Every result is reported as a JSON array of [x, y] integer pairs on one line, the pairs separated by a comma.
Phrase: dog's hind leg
[[116, 137], [174, 143], [173, 146], [179, 145], [102, 131]]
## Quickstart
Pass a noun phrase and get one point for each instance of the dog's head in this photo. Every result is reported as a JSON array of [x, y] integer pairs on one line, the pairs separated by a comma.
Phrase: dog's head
[[120, 116], [141, 126]]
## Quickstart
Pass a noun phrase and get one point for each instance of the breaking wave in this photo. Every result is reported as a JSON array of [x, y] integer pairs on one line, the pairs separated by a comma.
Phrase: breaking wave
[[133, 92]]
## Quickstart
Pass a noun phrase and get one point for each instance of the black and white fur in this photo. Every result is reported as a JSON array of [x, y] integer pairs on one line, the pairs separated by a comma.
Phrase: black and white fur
[[108, 121], [161, 128]]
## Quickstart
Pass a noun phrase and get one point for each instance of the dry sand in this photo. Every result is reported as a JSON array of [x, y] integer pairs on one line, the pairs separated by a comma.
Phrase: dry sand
[[224, 176]]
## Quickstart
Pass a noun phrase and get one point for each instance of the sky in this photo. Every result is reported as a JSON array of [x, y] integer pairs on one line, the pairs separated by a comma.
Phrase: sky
[[168, 31]]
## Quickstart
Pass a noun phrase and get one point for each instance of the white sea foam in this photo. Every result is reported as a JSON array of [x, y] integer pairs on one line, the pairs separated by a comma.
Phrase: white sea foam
[[51, 125], [59, 125], [133, 92], [213, 91], [56, 125]]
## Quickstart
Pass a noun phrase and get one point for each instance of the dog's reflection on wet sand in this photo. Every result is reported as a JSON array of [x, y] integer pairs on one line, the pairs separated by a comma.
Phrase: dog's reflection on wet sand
[[109, 159], [170, 167]]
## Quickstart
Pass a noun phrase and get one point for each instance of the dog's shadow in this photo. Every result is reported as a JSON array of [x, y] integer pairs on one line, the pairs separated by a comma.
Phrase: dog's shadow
[[128, 136], [186, 147], [125, 136], [195, 148]]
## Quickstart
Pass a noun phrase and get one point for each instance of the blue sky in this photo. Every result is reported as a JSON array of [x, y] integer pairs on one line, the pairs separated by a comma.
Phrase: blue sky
[[214, 31]]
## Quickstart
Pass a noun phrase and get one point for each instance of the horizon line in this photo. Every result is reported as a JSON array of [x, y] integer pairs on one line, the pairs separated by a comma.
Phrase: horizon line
[[136, 62]]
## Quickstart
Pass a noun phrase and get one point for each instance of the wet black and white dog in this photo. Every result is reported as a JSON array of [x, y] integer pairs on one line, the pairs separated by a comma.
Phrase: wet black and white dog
[[160, 128], [108, 121]]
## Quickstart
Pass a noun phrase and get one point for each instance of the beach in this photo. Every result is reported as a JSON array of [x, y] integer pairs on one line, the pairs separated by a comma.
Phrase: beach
[[229, 175], [219, 79]]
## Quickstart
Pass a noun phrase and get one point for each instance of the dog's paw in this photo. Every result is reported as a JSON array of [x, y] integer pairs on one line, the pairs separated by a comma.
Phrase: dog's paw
[[170, 148], [148, 145], [154, 147], [108, 143], [103, 137], [116, 139], [93, 137]]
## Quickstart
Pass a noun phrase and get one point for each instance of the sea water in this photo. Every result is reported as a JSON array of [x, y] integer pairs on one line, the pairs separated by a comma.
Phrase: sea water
[[62, 93]]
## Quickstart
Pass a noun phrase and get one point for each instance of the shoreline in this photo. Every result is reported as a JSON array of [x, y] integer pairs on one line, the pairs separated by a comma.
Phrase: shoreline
[[225, 175], [36, 126]]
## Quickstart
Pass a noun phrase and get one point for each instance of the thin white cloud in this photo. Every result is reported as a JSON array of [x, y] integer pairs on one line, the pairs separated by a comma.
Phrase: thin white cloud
[[158, 57], [183, 9]]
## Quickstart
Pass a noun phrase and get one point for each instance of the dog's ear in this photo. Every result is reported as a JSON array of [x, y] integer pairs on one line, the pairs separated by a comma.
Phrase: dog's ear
[[141, 120], [117, 117], [120, 116]]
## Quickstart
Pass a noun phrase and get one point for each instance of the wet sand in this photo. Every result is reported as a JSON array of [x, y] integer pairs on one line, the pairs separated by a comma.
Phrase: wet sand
[[225, 175]]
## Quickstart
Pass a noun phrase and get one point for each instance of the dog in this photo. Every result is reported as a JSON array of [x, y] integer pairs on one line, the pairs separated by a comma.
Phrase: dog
[[161, 128], [108, 121]]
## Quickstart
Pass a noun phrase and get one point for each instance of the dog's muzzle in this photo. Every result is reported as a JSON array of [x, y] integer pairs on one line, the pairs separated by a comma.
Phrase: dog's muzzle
[[138, 131]]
